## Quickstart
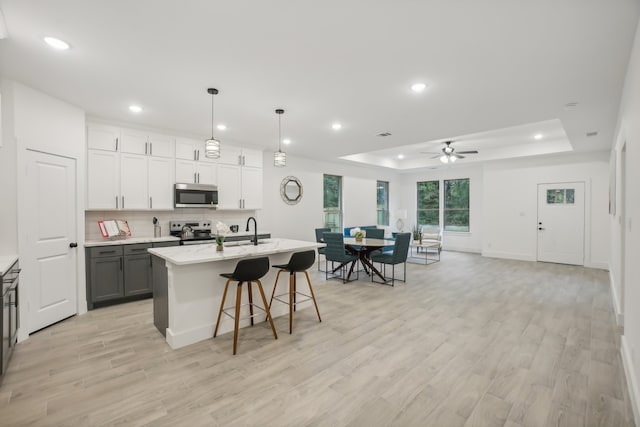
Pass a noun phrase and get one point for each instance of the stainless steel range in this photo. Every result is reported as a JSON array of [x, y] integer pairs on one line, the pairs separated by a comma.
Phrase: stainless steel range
[[192, 232]]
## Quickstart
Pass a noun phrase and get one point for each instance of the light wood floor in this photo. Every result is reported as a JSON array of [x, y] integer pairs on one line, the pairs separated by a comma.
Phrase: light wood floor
[[469, 341]]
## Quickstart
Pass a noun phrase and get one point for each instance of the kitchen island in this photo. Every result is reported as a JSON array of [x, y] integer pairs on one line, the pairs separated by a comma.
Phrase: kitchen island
[[187, 287]]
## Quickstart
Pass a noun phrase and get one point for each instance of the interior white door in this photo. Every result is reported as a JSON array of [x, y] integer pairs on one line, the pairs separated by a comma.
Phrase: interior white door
[[49, 260], [561, 223]]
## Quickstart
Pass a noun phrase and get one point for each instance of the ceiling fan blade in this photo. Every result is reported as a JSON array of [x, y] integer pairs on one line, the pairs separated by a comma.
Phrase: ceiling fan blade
[[458, 156], [429, 152], [467, 152], [435, 157]]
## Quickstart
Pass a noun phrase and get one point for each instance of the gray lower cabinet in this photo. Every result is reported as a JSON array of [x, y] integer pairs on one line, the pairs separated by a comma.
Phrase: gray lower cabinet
[[119, 273]]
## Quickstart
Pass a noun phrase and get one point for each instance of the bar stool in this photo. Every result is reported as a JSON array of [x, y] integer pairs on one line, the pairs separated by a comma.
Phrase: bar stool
[[299, 263], [247, 271]]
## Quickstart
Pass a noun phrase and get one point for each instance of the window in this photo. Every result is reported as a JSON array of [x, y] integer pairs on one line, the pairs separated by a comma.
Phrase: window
[[456, 204], [333, 202], [382, 189], [429, 203]]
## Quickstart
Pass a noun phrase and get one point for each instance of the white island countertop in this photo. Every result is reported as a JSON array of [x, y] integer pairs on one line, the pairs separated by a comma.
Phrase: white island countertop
[[195, 254]]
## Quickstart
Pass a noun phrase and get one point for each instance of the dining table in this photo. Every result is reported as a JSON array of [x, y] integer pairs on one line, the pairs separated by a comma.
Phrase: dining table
[[363, 247]]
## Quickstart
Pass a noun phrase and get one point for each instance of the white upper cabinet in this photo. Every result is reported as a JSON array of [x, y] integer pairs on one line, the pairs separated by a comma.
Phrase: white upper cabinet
[[161, 146], [230, 155], [101, 137], [207, 173], [103, 176], [133, 181], [187, 149], [229, 187], [251, 188], [252, 158], [161, 182], [192, 172], [134, 142]]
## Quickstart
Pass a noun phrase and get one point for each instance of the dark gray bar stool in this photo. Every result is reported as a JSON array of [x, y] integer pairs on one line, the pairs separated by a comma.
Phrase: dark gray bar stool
[[247, 271], [299, 262]]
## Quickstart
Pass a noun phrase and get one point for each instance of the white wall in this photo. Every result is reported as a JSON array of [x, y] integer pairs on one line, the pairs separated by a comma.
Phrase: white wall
[[511, 204], [629, 132], [456, 241], [299, 221], [52, 126], [8, 171]]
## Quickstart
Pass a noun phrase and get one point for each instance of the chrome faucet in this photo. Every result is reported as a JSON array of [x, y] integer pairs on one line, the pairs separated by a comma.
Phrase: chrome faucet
[[255, 230]]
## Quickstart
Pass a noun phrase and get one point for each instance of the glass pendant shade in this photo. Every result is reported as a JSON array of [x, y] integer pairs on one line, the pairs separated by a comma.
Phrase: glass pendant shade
[[212, 145], [444, 158], [279, 159], [452, 159], [212, 148]]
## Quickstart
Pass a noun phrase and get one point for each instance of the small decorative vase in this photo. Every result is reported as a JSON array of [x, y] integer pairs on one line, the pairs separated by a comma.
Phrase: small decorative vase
[[358, 239], [219, 248]]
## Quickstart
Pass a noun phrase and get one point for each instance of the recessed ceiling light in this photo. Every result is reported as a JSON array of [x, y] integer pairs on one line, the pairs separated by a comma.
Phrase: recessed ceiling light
[[401, 156], [418, 87], [537, 136], [221, 127], [135, 108], [286, 141], [336, 126], [56, 43]]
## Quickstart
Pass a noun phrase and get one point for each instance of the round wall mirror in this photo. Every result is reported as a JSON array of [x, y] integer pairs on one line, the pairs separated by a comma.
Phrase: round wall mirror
[[291, 190]]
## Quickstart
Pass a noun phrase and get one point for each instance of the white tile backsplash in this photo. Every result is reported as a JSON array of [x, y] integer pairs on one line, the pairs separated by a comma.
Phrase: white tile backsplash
[[141, 222]]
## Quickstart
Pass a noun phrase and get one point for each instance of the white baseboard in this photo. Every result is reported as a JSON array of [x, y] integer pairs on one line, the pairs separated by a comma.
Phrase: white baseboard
[[461, 249], [509, 255], [598, 265], [614, 300], [630, 375]]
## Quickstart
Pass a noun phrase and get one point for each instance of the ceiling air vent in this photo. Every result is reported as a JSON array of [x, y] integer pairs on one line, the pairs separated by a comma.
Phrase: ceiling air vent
[[384, 134], [594, 133]]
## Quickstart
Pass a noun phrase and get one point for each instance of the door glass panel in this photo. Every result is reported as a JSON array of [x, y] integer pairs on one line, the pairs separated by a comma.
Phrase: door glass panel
[[555, 196], [570, 195]]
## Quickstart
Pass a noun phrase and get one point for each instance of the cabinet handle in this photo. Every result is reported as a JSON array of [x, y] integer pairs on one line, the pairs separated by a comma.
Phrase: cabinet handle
[[138, 249], [122, 202], [198, 177], [151, 148], [107, 252], [194, 155], [120, 263], [146, 145], [116, 144], [116, 202], [195, 179], [198, 155], [240, 160], [150, 202], [243, 160]]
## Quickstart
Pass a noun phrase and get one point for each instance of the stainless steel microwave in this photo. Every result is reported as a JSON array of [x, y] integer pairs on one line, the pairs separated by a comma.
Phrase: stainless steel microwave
[[195, 196]]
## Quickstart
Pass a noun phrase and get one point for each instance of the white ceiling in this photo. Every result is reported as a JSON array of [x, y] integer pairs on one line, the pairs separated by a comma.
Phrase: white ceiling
[[498, 70]]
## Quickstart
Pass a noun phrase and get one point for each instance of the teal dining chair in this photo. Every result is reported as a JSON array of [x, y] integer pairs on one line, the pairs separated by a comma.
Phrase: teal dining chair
[[398, 256], [336, 253]]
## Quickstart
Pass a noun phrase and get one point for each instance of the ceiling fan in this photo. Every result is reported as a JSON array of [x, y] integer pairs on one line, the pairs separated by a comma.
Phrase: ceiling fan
[[449, 155]]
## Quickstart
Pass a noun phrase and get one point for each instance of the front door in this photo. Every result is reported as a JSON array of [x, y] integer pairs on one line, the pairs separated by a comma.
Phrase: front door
[[561, 223], [49, 263]]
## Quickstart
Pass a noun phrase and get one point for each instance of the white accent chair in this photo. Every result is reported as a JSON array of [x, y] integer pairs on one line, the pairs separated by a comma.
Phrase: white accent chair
[[432, 235]]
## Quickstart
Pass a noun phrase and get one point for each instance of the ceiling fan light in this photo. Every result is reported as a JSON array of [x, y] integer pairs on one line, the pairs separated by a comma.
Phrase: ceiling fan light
[[452, 159], [444, 158], [212, 148]]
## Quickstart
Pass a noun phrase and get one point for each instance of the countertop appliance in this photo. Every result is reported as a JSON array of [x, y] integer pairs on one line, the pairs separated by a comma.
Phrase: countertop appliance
[[191, 232], [195, 196], [9, 319]]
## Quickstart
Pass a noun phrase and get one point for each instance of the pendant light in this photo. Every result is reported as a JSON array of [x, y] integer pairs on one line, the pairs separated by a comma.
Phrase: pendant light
[[279, 157], [212, 145]]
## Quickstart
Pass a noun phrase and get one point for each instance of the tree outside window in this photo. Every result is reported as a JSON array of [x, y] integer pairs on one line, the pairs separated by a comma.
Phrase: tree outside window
[[428, 203], [332, 185], [456, 204], [382, 189]]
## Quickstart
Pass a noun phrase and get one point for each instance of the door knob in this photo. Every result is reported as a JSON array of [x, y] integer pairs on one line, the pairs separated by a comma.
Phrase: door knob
[[73, 245], [540, 228]]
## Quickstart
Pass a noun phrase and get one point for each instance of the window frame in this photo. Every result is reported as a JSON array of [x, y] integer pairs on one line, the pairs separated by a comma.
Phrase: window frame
[[332, 210], [436, 209], [384, 211], [446, 209]]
